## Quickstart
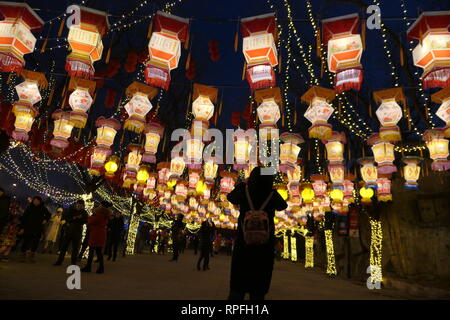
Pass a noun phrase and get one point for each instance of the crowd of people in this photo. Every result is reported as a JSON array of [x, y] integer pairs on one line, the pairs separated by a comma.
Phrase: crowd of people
[[253, 250]]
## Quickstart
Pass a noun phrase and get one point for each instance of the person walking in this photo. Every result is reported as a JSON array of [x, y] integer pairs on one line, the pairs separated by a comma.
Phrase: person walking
[[5, 202], [31, 227], [97, 236], [253, 254], [162, 242], [74, 219], [177, 234], [53, 230], [153, 238], [115, 227], [196, 242], [205, 237]]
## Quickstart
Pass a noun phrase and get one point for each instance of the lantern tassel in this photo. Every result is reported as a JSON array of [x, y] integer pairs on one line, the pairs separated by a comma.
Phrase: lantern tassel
[[50, 97], [243, 70], [318, 43], [402, 57], [44, 45], [186, 44], [236, 41], [61, 26], [279, 63], [188, 61], [149, 32], [363, 33], [370, 110]]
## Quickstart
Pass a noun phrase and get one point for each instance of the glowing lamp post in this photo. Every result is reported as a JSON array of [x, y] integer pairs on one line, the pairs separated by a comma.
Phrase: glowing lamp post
[[259, 49], [16, 37], [138, 106], [24, 110], [432, 54], [85, 40], [369, 172], [164, 48], [389, 113], [383, 153], [153, 132], [438, 147], [443, 97], [62, 129], [341, 36], [289, 151], [411, 172], [204, 98], [319, 111]]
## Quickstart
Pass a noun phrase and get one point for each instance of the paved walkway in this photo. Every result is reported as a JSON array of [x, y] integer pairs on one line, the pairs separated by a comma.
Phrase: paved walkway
[[154, 277]]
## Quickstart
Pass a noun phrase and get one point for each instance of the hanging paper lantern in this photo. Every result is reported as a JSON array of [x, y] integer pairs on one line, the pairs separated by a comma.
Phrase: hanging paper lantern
[[194, 178], [181, 191], [307, 194], [16, 39], [384, 189], [210, 171], [411, 172], [438, 147], [62, 129], [268, 111], [319, 185], [106, 131], [443, 97], [341, 36], [24, 111], [335, 155], [259, 49], [369, 172], [242, 149], [366, 195], [85, 40], [348, 189], [389, 113], [383, 153], [153, 132], [164, 48], [177, 165], [149, 190], [337, 195], [138, 106], [194, 153], [80, 100], [203, 98], [111, 166], [134, 159], [98, 158], [289, 151], [432, 53], [319, 111], [227, 182], [163, 172]]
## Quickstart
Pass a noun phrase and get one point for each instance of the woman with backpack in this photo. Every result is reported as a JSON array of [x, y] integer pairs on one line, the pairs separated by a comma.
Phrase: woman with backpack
[[253, 254]]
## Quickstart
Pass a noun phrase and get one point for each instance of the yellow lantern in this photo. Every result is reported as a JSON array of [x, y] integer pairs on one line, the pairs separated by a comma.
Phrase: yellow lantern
[[307, 195], [210, 171], [282, 190], [143, 174], [85, 40], [443, 97], [383, 153], [177, 165], [16, 38], [153, 132], [389, 113], [62, 129], [138, 106], [366, 194], [289, 151], [111, 166], [80, 100], [319, 111], [337, 195], [201, 187], [106, 131], [411, 172], [438, 147], [369, 172]]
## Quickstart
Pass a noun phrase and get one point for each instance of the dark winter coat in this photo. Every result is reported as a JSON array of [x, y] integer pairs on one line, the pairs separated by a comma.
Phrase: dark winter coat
[[32, 219], [251, 266], [205, 235], [97, 227], [115, 227], [74, 225]]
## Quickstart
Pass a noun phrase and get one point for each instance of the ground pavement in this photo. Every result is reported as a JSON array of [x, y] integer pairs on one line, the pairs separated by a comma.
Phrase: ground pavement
[[150, 276]]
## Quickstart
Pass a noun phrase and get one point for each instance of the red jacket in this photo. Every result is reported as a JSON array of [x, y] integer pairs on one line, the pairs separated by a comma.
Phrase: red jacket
[[97, 224]]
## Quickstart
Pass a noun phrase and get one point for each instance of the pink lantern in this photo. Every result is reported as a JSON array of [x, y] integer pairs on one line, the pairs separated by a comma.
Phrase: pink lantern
[[138, 106], [106, 131], [62, 129], [227, 182], [194, 178], [319, 185], [384, 189]]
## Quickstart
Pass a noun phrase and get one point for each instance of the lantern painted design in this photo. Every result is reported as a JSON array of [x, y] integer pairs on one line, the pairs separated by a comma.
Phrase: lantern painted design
[[80, 100], [62, 129], [163, 172], [134, 159], [149, 190], [384, 189], [319, 111], [106, 132], [111, 166], [319, 185], [227, 182], [432, 53], [181, 191], [203, 98], [268, 111], [389, 112], [289, 150], [153, 132], [138, 106], [16, 37], [164, 48], [194, 153], [242, 148], [383, 153], [24, 110], [438, 147], [443, 97], [260, 52], [177, 166], [194, 178], [341, 36], [85, 40], [210, 171], [335, 154], [369, 172], [411, 172], [98, 158], [348, 189]]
